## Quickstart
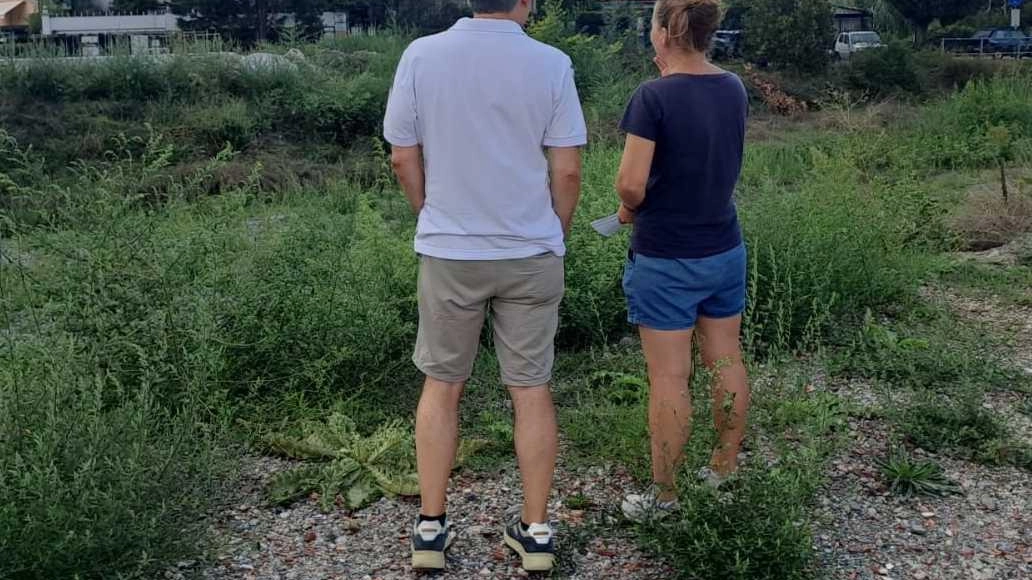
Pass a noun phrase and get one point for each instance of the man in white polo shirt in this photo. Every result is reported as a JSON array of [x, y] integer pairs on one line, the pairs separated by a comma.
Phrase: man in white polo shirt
[[486, 129]]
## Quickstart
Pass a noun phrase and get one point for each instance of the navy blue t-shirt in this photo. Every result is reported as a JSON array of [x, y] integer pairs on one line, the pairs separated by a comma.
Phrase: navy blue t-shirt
[[698, 125]]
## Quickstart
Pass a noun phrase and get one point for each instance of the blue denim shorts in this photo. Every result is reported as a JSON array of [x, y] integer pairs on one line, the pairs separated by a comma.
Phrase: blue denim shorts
[[668, 294]]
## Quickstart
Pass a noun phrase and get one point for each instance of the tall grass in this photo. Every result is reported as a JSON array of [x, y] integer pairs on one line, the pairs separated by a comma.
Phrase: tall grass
[[160, 306]]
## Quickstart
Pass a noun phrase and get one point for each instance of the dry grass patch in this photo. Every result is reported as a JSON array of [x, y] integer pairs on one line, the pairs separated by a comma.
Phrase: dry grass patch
[[985, 220]]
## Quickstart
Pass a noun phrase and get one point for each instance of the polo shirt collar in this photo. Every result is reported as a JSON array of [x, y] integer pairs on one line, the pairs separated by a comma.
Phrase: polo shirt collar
[[488, 25]]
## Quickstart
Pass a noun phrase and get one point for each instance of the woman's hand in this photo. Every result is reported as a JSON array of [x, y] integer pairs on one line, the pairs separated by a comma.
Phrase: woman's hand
[[626, 215], [664, 68]]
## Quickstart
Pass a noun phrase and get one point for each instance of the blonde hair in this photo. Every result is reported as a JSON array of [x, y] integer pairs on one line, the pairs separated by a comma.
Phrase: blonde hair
[[690, 23]]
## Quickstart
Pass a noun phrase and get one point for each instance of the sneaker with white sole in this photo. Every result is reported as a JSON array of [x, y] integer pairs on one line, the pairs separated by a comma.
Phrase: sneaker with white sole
[[646, 507], [711, 478], [430, 540], [535, 547]]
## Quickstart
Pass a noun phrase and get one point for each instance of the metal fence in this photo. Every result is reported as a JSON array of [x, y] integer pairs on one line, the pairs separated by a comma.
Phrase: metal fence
[[986, 48]]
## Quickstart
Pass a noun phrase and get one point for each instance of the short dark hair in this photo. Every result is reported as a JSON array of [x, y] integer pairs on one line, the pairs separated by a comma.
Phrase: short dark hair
[[492, 6]]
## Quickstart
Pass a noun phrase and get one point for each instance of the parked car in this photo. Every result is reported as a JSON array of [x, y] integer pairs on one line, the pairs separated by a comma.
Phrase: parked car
[[1000, 41], [850, 43], [727, 44]]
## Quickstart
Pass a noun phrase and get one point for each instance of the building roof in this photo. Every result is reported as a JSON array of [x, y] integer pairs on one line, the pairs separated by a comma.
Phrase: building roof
[[6, 7]]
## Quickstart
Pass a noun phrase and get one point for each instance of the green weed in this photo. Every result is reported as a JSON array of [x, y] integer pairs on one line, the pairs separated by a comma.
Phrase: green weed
[[907, 476]]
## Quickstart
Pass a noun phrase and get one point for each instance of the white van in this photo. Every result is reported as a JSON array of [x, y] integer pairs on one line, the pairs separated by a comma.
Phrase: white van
[[850, 43]]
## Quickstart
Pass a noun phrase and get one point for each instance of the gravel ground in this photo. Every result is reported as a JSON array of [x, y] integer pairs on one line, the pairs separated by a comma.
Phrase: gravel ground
[[985, 533], [862, 531], [260, 542]]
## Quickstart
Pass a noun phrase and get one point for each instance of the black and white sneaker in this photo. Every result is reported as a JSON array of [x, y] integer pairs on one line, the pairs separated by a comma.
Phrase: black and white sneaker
[[536, 546], [430, 540]]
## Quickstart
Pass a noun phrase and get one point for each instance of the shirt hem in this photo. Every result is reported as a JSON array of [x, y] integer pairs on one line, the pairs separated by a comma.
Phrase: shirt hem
[[578, 141], [401, 142], [487, 255]]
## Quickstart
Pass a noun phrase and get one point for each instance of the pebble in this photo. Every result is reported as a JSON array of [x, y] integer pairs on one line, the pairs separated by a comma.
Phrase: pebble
[[303, 543]]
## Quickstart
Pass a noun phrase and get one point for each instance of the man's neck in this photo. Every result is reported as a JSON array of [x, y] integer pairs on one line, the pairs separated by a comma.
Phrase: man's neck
[[496, 16]]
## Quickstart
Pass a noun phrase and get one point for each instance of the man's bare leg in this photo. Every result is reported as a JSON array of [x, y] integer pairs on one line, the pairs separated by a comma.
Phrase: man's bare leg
[[437, 440], [537, 445]]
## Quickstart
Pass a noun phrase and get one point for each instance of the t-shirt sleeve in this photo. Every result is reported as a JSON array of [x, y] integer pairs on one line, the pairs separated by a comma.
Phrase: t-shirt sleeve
[[401, 123], [643, 115], [567, 127]]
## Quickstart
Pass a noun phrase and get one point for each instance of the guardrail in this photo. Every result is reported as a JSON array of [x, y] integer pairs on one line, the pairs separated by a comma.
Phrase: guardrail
[[984, 48]]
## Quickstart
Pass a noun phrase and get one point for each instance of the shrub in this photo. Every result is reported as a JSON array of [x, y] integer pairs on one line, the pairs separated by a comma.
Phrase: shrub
[[593, 310], [821, 249], [345, 109], [323, 303], [883, 72], [926, 355], [949, 73], [216, 126], [591, 55], [44, 80], [958, 425], [792, 34], [754, 530], [97, 479]]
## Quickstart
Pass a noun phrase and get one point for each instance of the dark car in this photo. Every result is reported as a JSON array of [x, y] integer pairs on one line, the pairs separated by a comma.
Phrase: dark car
[[1000, 41], [727, 44]]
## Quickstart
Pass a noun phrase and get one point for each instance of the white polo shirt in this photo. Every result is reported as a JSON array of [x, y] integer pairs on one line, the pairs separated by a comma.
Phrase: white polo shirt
[[484, 100]]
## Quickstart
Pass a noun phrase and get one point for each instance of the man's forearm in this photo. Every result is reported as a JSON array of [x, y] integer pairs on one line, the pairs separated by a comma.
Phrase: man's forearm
[[565, 197], [413, 183], [565, 172], [408, 167]]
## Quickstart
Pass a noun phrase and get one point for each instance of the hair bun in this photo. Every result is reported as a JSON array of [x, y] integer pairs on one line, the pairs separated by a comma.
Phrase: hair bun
[[690, 23]]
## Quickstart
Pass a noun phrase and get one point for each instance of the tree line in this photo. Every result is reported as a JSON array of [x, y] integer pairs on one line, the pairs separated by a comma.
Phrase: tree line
[[792, 29], [249, 21]]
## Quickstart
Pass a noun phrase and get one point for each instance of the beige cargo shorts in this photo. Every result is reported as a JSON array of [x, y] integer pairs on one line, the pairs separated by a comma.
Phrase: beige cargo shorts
[[523, 297]]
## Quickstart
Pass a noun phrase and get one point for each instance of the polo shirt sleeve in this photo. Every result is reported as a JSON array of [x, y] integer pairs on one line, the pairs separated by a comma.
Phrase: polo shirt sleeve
[[643, 115], [567, 128], [401, 123]]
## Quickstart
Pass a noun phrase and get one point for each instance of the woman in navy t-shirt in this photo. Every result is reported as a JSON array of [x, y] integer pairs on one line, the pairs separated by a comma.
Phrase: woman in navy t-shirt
[[686, 271]]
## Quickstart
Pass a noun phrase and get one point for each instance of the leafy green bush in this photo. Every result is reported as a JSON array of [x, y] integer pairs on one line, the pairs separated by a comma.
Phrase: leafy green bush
[[954, 134], [45, 80], [592, 56], [821, 250], [345, 109], [323, 304], [792, 34], [883, 72], [230, 123], [926, 356], [97, 478], [959, 425], [593, 310], [753, 530], [949, 73]]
